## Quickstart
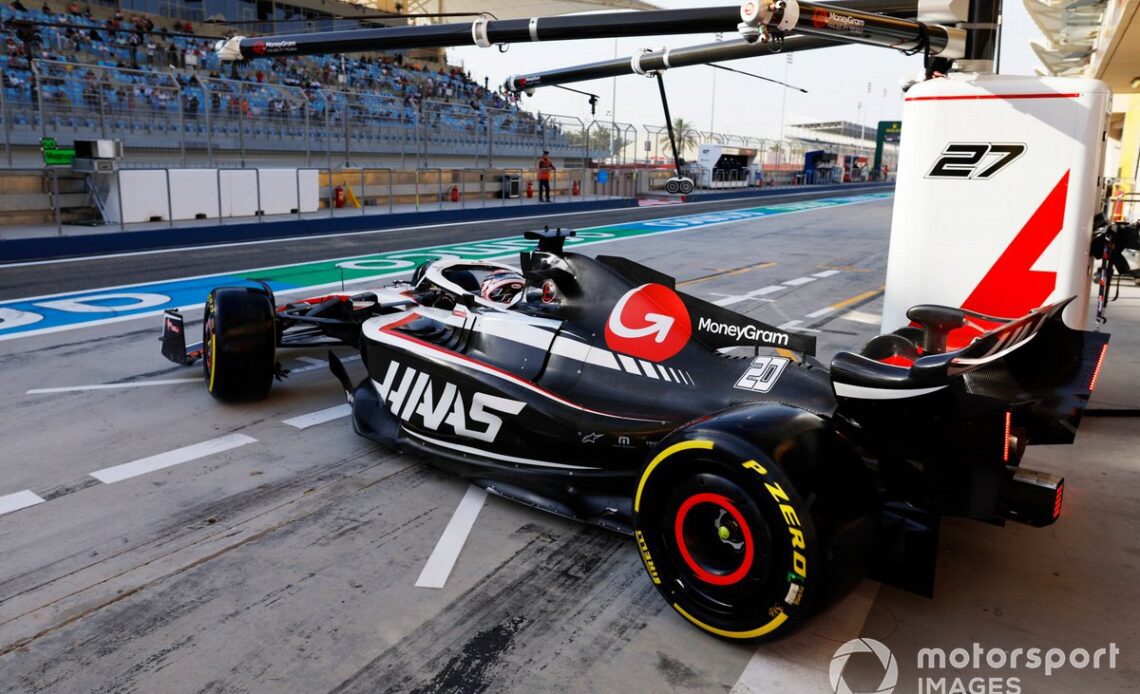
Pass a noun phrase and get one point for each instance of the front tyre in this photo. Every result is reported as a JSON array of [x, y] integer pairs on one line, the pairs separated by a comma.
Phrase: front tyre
[[726, 538], [239, 339]]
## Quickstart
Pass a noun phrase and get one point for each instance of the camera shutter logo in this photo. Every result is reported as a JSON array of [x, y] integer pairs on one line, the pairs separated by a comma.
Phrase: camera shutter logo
[[886, 658]]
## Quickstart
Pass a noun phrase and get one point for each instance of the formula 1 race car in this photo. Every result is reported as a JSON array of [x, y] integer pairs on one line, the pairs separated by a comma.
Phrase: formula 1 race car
[[758, 487]]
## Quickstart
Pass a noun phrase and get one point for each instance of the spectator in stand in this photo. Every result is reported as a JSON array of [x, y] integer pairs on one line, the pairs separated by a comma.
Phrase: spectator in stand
[[18, 6], [46, 10]]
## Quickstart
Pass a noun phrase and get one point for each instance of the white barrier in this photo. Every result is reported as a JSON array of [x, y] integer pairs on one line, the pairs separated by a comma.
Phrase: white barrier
[[151, 195]]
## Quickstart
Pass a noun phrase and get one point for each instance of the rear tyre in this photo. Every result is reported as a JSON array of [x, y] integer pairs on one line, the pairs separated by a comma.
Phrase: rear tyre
[[739, 545], [239, 339]]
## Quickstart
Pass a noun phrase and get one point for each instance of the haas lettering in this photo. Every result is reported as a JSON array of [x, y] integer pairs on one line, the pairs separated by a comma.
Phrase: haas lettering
[[415, 395]]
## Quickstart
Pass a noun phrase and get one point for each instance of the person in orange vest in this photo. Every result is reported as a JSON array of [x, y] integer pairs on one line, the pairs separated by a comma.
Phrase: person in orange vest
[[545, 169]]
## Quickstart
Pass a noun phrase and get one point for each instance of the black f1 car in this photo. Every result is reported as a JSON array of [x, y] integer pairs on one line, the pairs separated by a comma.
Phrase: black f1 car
[[757, 487]]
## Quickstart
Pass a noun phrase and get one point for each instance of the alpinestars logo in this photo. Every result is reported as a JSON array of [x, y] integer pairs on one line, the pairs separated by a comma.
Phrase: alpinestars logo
[[650, 322], [416, 395]]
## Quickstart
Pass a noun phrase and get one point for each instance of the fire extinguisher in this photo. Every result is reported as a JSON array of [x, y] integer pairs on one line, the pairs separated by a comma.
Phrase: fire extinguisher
[[455, 193], [576, 189], [338, 196], [530, 189]]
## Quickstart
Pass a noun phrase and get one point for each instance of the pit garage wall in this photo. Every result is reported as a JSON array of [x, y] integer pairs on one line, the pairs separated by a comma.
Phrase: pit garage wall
[[143, 195]]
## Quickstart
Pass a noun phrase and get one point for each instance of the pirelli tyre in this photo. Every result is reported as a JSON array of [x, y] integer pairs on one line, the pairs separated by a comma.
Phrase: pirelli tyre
[[239, 338], [735, 532]]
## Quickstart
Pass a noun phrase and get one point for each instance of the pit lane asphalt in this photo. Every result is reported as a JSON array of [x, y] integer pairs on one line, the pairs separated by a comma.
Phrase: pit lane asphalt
[[42, 278], [287, 563]]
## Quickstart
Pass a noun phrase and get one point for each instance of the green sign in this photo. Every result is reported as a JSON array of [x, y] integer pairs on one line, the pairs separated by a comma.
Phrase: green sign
[[54, 155], [889, 132]]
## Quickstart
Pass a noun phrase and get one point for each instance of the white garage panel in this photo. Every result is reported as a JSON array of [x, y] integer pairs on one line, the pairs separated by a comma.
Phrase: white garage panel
[[194, 193]]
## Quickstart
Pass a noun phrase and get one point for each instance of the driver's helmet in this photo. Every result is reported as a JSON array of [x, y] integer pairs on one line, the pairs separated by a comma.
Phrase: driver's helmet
[[503, 286]]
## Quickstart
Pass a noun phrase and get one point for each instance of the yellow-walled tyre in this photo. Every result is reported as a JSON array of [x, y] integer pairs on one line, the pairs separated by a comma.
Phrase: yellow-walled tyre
[[741, 546], [239, 340]]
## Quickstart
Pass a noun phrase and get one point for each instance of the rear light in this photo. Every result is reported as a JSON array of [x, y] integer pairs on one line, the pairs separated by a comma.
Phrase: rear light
[[1005, 440], [1030, 497], [1099, 363]]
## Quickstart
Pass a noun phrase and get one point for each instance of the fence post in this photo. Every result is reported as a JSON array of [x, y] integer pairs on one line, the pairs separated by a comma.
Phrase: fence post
[[55, 200], [7, 127], [241, 122], [389, 191], [362, 195], [207, 110], [181, 122], [169, 201], [308, 140], [119, 190], [297, 179], [38, 86], [218, 176], [102, 114]]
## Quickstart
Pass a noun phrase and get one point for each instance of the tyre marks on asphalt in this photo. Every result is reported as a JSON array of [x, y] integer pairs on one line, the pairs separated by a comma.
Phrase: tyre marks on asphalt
[[125, 600], [509, 632]]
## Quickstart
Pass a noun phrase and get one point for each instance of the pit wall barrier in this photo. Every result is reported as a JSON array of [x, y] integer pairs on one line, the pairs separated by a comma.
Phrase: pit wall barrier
[[17, 250], [148, 195]]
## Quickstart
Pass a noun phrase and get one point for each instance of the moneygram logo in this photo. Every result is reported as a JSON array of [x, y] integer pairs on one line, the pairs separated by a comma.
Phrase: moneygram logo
[[886, 659], [742, 332], [650, 322]]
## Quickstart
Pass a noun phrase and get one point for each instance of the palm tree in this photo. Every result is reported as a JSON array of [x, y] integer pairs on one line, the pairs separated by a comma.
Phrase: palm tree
[[686, 134]]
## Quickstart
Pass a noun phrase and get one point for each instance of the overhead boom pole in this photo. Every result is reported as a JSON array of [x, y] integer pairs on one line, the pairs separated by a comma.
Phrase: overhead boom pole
[[650, 61], [757, 20]]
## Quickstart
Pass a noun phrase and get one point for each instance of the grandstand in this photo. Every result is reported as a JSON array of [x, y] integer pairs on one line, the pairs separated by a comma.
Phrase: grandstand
[[155, 84]]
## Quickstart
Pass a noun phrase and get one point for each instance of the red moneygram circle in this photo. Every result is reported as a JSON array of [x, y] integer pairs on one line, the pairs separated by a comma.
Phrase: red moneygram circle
[[258, 47], [819, 18], [649, 322]]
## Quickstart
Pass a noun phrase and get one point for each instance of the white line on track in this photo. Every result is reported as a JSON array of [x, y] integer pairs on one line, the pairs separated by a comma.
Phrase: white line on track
[[862, 317], [728, 300], [313, 360], [112, 386], [822, 312], [826, 273], [319, 417], [442, 559], [798, 281], [19, 500], [794, 325], [178, 456]]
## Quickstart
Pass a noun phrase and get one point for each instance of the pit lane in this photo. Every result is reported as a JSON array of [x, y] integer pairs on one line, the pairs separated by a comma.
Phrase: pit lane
[[247, 553]]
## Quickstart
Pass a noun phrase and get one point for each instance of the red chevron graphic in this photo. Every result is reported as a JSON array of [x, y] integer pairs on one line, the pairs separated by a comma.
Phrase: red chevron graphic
[[1010, 288]]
